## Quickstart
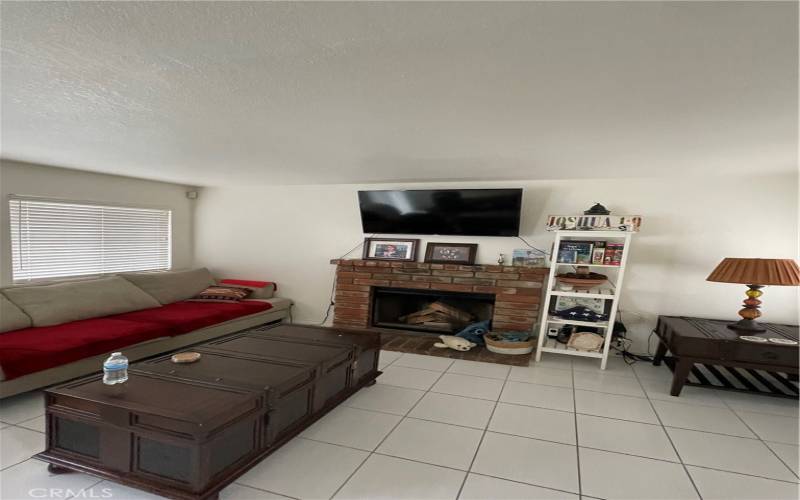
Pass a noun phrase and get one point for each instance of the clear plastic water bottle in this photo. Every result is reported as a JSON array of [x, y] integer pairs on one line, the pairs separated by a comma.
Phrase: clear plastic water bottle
[[115, 369]]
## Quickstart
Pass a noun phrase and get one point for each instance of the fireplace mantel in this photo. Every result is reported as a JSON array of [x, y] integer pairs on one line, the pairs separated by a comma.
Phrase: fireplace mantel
[[517, 290]]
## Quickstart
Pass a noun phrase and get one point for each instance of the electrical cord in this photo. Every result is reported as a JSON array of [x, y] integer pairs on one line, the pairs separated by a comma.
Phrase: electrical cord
[[533, 247], [631, 358], [331, 302]]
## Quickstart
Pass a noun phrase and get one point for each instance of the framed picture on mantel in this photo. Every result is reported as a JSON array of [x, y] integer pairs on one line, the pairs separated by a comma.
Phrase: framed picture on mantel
[[390, 249], [451, 253]]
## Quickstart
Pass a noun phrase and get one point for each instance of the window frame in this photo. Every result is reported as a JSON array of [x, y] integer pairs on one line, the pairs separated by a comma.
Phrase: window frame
[[91, 203]]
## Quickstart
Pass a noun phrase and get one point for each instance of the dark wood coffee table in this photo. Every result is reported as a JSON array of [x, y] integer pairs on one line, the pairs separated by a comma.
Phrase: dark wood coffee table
[[187, 431], [709, 341]]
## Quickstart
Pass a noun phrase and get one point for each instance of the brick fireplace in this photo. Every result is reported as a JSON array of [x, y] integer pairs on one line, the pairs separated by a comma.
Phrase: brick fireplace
[[517, 291]]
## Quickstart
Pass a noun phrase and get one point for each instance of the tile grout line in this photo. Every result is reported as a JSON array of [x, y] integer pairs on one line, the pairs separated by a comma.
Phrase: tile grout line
[[447, 372], [16, 463], [429, 390], [371, 453], [529, 484], [483, 435], [795, 483], [746, 410], [646, 395], [75, 495], [577, 440], [259, 489], [445, 393], [758, 437], [496, 404], [669, 438], [19, 424], [606, 417], [546, 441]]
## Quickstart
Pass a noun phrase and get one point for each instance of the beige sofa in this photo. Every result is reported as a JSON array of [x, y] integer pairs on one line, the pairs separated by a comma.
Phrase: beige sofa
[[150, 308]]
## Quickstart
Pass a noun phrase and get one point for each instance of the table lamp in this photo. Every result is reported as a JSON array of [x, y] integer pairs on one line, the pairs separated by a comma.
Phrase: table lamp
[[755, 273]]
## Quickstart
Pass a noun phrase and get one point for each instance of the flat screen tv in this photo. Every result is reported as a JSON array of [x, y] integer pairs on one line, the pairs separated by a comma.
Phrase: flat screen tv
[[464, 212]]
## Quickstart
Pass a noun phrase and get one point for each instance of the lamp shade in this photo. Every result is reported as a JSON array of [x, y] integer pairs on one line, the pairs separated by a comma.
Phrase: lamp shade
[[757, 272]]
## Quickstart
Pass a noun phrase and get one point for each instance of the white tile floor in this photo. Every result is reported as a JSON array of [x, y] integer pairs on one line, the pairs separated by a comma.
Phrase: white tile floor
[[433, 428]]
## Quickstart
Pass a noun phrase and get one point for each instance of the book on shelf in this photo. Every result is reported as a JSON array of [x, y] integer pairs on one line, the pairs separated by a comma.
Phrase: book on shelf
[[575, 252], [613, 254], [598, 251], [617, 259], [567, 256]]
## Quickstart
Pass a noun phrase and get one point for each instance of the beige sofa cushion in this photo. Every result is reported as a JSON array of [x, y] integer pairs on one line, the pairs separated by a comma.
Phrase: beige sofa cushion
[[264, 293], [172, 286], [11, 316], [64, 302]]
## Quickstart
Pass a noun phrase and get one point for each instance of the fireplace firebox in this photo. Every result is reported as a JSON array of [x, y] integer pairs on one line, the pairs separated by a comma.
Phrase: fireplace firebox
[[433, 311], [516, 292]]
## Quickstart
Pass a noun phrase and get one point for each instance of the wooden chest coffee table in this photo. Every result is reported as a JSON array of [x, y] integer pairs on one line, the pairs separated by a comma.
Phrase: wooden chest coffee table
[[187, 431]]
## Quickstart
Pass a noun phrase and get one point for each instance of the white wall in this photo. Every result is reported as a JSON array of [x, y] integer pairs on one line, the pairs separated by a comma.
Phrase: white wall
[[37, 180], [289, 234]]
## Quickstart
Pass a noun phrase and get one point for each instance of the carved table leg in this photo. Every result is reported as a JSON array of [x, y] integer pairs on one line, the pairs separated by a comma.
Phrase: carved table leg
[[57, 469], [661, 351], [679, 376]]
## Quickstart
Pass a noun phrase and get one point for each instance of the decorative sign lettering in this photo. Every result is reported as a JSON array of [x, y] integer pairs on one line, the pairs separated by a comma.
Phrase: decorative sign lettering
[[628, 223]]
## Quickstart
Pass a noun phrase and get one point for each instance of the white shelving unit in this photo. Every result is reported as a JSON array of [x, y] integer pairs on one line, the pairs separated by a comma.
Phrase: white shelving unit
[[609, 291]]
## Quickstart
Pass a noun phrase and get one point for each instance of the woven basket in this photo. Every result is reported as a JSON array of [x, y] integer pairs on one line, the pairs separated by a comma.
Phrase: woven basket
[[513, 348]]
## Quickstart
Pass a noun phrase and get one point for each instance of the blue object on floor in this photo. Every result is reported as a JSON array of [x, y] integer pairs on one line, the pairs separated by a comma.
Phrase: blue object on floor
[[517, 336], [474, 332]]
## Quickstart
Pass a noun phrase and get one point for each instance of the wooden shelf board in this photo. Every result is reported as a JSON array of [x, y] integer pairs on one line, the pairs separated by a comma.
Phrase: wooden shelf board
[[587, 265], [599, 324], [588, 295], [573, 352]]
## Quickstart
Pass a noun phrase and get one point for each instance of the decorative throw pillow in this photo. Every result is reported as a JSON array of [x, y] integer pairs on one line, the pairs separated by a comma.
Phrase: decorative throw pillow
[[221, 294], [259, 289]]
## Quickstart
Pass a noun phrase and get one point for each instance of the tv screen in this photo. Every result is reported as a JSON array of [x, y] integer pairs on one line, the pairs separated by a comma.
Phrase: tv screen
[[465, 212]]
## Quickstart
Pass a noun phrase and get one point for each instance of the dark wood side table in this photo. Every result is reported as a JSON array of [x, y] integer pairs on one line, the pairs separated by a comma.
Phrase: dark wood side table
[[710, 341]]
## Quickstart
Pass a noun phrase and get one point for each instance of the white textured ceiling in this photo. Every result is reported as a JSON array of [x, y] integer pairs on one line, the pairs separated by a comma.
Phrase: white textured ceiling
[[212, 93]]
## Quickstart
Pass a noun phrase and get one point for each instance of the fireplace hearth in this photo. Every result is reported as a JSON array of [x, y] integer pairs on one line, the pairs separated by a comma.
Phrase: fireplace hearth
[[515, 291], [429, 310]]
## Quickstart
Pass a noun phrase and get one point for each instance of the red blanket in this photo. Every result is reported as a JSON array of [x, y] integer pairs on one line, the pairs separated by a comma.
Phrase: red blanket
[[34, 349]]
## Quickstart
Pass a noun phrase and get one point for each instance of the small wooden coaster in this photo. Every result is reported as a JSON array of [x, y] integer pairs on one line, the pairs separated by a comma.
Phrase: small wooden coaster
[[185, 357]]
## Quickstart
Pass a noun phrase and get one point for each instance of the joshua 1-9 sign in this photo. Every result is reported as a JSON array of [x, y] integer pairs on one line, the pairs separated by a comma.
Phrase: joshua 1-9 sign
[[629, 223]]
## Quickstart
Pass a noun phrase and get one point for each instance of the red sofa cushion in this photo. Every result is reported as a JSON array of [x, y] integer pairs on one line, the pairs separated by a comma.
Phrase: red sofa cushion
[[184, 317], [33, 349]]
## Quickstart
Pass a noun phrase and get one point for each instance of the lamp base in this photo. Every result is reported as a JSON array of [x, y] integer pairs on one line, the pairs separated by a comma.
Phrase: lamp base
[[747, 327]]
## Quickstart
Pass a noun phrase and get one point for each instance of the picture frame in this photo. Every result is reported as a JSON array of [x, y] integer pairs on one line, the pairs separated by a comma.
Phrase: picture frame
[[393, 249], [526, 257], [451, 253]]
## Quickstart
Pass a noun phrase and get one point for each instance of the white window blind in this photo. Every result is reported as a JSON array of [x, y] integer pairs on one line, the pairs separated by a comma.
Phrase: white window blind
[[51, 239]]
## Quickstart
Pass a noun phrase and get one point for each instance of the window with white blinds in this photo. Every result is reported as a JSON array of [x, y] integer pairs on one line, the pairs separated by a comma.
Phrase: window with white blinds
[[53, 239]]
